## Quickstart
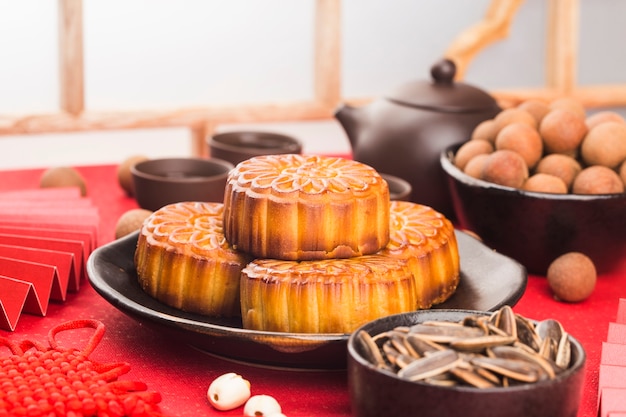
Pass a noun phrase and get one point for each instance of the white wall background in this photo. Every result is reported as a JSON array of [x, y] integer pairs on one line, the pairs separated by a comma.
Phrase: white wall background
[[155, 54]]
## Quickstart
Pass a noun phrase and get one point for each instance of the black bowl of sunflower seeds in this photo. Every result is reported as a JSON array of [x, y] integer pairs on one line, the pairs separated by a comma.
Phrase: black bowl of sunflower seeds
[[466, 363]]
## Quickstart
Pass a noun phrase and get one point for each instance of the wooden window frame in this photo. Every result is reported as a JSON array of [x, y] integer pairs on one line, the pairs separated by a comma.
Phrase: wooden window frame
[[563, 25]]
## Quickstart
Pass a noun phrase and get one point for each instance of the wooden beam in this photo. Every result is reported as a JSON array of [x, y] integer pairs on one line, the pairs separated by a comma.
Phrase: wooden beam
[[512, 97], [493, 27], [327, 70], [613, 95], [71, 66], [187, 117], [562, 45], [199, 132]]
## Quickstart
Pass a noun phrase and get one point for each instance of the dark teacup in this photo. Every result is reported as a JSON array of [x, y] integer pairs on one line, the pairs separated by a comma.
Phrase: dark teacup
[[399, 189], [159, 182], [241, 145]]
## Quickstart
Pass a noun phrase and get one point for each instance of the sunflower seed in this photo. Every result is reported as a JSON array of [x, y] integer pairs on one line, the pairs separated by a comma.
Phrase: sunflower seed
[[369, 348], [511, 352], [471, 377], [510, 368], [477, 344], [564, 352], [444, 333], [429, 366]]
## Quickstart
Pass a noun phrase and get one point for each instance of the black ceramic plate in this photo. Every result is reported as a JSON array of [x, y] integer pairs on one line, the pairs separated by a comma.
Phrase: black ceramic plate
[[488, 281]]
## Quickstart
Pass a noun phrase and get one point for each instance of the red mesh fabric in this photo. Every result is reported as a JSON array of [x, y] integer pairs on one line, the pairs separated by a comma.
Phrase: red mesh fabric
[[38, 380]]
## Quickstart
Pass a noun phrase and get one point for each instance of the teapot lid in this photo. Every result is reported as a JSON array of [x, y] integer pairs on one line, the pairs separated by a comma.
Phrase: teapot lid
[[442, 93]]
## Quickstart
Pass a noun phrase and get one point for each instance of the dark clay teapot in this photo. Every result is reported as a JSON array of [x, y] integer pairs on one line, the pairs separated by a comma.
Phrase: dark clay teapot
[[404, 133]]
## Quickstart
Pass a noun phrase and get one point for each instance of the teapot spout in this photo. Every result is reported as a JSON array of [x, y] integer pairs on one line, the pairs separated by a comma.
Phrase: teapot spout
[[350, 119]]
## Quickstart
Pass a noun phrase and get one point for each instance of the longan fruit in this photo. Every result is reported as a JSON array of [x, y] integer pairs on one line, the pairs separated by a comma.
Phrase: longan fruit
[[505, 167], [474, 167], [63, 177], [562, 132], [537, 108], [130, 222], [545, 183], [603, 116], [124, 177], [570, 104], [485, 130], [469, 150], [523, 139], [597, 179], [572, 277], [605, 144], [559, 165], [514, 115]]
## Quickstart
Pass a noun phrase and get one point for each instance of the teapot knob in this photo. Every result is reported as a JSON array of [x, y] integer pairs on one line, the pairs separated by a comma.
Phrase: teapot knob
[[443, 72]]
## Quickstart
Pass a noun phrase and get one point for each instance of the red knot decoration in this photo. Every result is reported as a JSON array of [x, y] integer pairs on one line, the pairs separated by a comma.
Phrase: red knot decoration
[[38, 380]]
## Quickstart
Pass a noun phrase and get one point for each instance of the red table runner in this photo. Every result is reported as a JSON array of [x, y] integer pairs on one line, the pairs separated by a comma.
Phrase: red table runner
[[182, 374]]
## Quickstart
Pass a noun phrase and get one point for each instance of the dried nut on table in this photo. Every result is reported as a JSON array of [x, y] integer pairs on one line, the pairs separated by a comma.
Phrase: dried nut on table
[[63, 177], [130, 221], [228, 391], [556, 139], [572, 277], [483, 351], [262, 405], [124, 177]]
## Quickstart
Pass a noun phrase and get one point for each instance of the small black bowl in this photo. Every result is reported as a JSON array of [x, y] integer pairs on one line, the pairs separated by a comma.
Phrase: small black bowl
[[536, 228], [158, 182], [241, 145], [375, 392], [399, 188]]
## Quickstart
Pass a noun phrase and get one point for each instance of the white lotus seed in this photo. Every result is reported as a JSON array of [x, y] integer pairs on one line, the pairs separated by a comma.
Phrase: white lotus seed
[[262, 405], [228, 391]]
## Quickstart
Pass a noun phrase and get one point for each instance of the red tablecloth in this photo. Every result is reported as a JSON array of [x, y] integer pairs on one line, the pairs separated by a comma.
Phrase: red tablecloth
[[182, 374]]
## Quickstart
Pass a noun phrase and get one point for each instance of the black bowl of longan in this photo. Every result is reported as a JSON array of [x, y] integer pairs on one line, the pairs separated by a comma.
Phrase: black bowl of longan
[[542, 179], [534, 227]]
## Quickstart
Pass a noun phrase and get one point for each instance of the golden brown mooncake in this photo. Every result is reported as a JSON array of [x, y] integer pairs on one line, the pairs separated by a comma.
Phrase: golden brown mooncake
[[296, 207], [426, 239], [184, 261], [324, 296]]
